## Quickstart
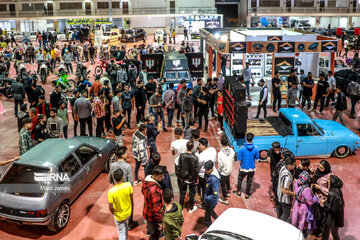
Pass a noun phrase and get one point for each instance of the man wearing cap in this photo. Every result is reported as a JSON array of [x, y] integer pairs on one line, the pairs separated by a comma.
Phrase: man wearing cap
[[211, 195], [263, 98]]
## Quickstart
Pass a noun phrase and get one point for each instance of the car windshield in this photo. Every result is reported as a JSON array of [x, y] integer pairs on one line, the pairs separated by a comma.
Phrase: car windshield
[[183, 75], [106, 34], [129, 32], [159, 31], [318, 127], [170, 75], [20, 180], [223, 235]]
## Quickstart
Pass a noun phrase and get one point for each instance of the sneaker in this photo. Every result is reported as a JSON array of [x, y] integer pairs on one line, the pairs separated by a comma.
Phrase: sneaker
[[193, 209], [236, 193], [226, 202], [220, 132], [133, 225], [228, 195], [137, 182], [352, 116], [317, 111], [321, 112], [205, 130], [179, 121], [312, 110], [165, 130]]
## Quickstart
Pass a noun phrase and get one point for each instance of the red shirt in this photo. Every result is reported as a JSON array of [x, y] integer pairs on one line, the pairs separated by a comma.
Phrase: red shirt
[[220, 105], [34, 123]]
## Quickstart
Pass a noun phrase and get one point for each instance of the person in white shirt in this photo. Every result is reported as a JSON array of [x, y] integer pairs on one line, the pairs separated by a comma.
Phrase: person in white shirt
[[226, 158], [332, 83], [177, 147], [206, 154]]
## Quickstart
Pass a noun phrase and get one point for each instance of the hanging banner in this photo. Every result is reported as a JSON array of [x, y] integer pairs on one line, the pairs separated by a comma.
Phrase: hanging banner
[[262, 47], [152, 63], [196, 64], [284, 65], [237, 47], [87, 21], [307, 47], [329, 46]]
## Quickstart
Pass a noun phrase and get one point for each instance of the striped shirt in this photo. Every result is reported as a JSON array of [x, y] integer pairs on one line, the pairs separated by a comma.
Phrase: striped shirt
[[285, 181]]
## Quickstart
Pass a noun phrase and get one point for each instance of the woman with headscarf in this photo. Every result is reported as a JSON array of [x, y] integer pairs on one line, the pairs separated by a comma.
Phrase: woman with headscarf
[[302, 210], [321, 178], [334, 209]]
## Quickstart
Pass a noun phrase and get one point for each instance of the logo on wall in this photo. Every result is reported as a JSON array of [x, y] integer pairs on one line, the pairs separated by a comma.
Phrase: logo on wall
[[274, 38], [329, 46], [149, 63], [286, 47], [196, 62], [284, 65], [237, 47], [176, 63], [307, 47], [263, 47]]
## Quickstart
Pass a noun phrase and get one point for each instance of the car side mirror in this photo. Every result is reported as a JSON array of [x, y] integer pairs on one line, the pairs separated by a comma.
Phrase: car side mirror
[[192, 237], [99, 155]]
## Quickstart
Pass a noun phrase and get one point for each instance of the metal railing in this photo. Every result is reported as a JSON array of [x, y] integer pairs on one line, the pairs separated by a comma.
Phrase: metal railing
[[302, 10], [102, 12]]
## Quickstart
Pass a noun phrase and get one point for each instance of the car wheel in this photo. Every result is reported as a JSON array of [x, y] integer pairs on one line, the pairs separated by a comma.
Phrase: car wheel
[[263, 155], [342, 152], [110, 160], [61, 218]]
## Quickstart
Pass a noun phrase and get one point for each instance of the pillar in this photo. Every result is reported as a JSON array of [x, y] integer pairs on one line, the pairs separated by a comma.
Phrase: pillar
[[218, 64], [332, 62], [210, 65]]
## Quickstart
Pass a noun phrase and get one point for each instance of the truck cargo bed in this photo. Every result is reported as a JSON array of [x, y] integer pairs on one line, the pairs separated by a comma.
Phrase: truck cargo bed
[[271, 126]]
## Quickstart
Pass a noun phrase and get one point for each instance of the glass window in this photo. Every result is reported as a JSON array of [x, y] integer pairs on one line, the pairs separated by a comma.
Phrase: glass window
[[20, 175], [2, 7], [183, 75], [70, 164], [268, 3], [286, 121], [170, 75], [71, 5], [321, 62], [305, 130], [85, 153]]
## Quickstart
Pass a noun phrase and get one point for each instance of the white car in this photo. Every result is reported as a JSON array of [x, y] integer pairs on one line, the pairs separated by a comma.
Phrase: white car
[[111, 38], [244, 224], [33, 36], [324, 65], [18, 36], [62, 36], [158, 35]]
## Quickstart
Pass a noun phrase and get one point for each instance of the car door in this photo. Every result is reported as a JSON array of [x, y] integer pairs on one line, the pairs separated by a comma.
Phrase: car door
[[88, 157], [310, 141], [72, 166]]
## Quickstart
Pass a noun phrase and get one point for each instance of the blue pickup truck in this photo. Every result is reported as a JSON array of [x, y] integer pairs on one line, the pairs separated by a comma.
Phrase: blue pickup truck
[[303, 136]]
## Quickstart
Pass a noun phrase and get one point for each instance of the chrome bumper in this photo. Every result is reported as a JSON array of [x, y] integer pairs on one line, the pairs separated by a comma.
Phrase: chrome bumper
[[26, 221]]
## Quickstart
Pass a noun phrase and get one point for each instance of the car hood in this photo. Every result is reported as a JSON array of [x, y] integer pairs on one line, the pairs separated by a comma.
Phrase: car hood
[[271, 228], [336, 129]]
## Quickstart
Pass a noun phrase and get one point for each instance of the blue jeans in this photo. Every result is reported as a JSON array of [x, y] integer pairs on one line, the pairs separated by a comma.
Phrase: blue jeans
[[69, 67], [65, 131], [53, 63], [122, 228], [161, 115], [76, 56], [223, 70], [170, 116], [153, 149], [247, 84]]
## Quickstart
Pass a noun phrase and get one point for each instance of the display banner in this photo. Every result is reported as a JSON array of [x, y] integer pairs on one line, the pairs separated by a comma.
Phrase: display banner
[[329, 46], [307, 47], [274, 38], [87, 21], [153, 63], [284, 65], [196, 64], [262, 47], [237, 47], [286, 47]]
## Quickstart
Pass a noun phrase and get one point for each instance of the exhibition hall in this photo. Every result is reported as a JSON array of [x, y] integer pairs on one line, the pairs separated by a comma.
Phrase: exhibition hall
[[195, 120]]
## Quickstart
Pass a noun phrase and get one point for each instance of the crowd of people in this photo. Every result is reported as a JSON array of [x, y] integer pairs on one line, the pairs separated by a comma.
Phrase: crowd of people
[[200, 170]]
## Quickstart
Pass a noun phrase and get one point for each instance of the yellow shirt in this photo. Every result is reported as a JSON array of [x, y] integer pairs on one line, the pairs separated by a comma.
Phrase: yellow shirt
[[53, 54], [119, 196]]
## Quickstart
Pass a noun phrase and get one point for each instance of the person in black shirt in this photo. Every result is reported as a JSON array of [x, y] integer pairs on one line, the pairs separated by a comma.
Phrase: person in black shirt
[[203, 101], [292, 78], [118, 120], [212, 86], [92, 53], [263, 98], [322, 91], [55, 97], [108, 96], [273, 158], [308, 85], [140, 101], [150, 89], [340, 106], [40, 131], [276, 82], [152, 133], [304, 166]]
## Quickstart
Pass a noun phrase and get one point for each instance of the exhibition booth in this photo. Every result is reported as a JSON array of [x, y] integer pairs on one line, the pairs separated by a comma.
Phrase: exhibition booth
[[267, 50]]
